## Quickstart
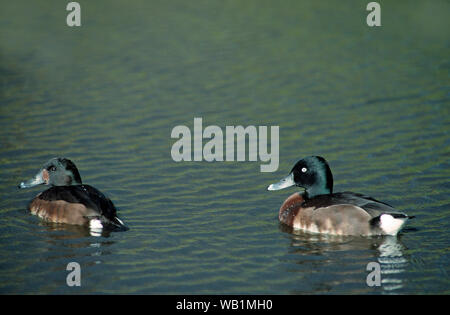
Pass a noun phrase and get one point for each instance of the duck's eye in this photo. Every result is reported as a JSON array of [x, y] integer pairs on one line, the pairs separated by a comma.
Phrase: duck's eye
[[52, 168], [304, 170]]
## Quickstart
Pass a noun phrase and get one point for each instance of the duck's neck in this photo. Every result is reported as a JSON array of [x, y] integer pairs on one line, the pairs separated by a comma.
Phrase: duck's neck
[[67, 181], [317, 190]]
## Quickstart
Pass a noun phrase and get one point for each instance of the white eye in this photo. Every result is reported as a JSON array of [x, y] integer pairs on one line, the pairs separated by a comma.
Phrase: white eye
[[304, 170]]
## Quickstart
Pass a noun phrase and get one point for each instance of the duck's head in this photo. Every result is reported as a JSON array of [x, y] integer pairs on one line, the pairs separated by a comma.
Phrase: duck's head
[[312, 173], [56, 172]]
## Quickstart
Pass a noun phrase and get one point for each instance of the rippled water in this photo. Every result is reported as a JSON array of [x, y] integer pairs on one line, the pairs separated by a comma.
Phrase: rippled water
[[373, 102]]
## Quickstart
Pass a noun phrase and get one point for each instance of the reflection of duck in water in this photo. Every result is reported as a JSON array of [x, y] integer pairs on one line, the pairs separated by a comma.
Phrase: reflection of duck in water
[[70, 231], [392, 263], [68, 200], [320, 210], [321, 253]]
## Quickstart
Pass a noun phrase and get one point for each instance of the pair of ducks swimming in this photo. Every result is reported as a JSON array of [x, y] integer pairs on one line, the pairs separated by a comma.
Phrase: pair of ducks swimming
[[317, 209]]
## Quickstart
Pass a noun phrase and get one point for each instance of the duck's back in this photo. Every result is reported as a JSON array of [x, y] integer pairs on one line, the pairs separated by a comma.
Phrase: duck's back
[[75, 204], [372, 206]]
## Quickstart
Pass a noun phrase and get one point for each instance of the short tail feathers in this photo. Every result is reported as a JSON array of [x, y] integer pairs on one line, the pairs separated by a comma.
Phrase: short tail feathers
[[119, 224]]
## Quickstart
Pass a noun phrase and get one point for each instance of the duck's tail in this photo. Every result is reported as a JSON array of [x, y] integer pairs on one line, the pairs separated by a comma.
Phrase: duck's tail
[[98, 223], [118, 224], [390, 223]]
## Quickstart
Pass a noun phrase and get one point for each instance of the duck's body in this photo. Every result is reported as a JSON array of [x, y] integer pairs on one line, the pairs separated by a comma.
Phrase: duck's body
[[321, 211], [68, 200]]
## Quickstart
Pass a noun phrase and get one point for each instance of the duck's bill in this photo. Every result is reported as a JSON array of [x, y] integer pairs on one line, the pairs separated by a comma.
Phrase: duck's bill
[[36, 180], [288, 181]]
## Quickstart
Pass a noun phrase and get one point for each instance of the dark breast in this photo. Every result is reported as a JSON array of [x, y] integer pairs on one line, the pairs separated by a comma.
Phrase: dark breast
[[72, 204]]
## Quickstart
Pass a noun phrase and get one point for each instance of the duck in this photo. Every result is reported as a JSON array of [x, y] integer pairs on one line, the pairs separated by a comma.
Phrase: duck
[[70, 201], [319, 210]]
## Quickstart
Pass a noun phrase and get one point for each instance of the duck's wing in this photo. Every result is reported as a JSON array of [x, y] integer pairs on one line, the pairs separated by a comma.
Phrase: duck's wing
[[70, 194], [372, 206], [90, 197]]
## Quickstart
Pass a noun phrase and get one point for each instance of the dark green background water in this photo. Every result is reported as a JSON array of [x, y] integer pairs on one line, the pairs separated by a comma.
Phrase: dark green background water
[[373, 101]]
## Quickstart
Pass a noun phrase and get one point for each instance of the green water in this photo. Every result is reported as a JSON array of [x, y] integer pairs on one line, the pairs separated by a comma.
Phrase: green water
[[373, 101]]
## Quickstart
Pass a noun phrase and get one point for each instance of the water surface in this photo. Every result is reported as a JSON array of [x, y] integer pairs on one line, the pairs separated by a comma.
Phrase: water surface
[[373, 102]]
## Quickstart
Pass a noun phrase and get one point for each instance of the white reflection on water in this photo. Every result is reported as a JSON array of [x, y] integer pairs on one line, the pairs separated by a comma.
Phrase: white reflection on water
[[392, 263], [68, 242], [340, 261]]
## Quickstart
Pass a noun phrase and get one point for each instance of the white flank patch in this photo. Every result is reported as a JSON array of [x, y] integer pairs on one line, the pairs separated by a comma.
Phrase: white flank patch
[[391, 225], [96, 225]]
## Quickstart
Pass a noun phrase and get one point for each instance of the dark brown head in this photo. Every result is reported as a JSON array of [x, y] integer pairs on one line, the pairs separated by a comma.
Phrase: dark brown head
[[56, 172]]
